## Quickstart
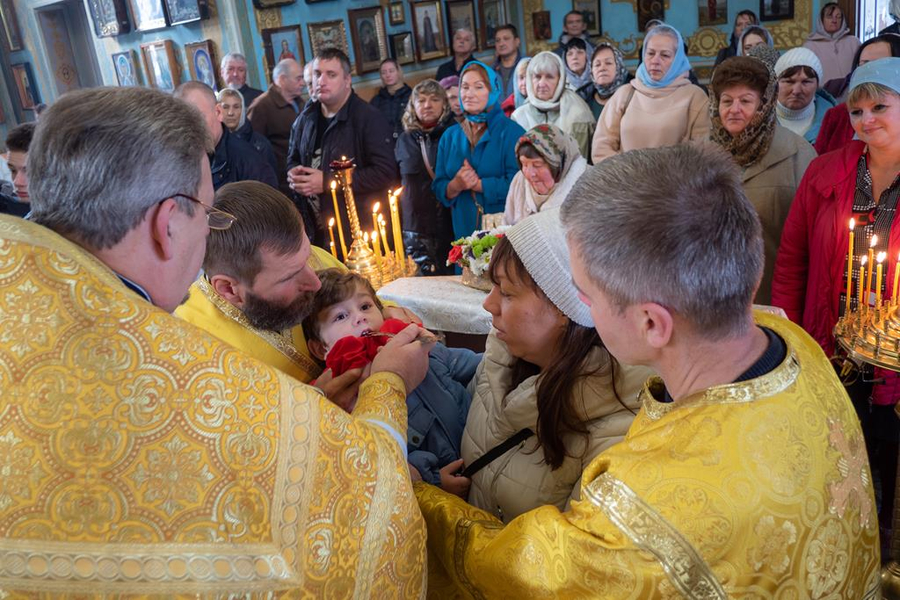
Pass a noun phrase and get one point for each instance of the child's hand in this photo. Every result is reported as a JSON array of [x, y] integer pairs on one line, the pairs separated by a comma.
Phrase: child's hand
[[414, 474], [455, 484]]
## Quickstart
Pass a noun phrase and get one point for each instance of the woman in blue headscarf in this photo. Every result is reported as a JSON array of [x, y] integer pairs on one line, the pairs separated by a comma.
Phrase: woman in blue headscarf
[[476, 159], [660, 107]]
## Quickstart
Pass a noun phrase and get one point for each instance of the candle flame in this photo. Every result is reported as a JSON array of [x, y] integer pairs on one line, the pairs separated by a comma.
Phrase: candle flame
[[380, 219], [366, 236], [874, 241], [333, 184], [397, 191], [374, 235], [863, 260], [331, 222], [376, 207], [852, 224], [881, 256]]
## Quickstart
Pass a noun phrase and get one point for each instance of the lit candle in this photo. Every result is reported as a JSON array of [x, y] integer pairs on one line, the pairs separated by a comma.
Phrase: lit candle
[[382, 228], [375, 208], [879, 272], [849, 269], [862, 278], [871, 255], [337, 216], [377, 249], [395, 227], [331, 234], [896, 281]]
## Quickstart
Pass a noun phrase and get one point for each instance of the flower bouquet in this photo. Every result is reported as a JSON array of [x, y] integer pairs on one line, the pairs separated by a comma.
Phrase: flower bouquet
[[473, 255]]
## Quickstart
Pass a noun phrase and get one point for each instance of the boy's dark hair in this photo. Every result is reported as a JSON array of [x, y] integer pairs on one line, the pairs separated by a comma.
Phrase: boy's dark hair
[[19, 137], [337, 285]]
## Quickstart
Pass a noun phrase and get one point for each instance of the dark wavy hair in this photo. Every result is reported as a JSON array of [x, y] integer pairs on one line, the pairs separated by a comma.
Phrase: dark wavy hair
[[557, 412]]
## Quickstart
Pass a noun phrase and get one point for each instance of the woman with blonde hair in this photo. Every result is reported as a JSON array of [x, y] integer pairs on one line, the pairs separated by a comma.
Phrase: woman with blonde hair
[[427, 230], [552, 102]]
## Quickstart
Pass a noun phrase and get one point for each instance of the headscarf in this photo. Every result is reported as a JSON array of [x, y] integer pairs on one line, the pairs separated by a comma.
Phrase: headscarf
[[754, 141], [523, 64], [606, 91], [576, 81], [819, 34], [236, 94], [767, 54], [558, 149], [680, 65], [538, 64], [565, 107], [884, 71], [493, 96], [754, 30], [894, 9]]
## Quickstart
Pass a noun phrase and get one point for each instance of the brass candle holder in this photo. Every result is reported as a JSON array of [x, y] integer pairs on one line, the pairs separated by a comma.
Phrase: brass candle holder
[[360, 258]]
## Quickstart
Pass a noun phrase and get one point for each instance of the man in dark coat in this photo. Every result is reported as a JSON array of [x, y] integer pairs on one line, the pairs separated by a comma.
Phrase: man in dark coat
[[338, 124], [463, 47], [233, 70], [393, 97], [234, 159]]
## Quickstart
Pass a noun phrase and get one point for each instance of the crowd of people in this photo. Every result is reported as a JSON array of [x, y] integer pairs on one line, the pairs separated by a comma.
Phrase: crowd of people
[[196, 395]]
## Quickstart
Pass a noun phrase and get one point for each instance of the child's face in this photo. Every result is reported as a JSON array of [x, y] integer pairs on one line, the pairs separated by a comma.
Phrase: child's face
[[352, 317]]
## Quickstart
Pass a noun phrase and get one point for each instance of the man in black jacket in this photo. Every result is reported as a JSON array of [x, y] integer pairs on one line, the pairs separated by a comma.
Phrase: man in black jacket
[[338, 123], [392, 98], [234, 159], [233, 71]]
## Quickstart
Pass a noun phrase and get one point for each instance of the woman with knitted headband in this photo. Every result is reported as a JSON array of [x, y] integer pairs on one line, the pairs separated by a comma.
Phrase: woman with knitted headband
[[860, 181], [545, 371], [660, 107], [772, 159], [476, 159], [550, 100], [551, 164], [802, 103]]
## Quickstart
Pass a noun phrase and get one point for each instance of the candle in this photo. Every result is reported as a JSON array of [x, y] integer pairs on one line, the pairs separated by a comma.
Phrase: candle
[[871, 255], [375, 208], [862, 278], [384, 237], [395, 227], [879, 272], [896, 280], [377, 249], [337, 216], [331, 235], [849, 269]]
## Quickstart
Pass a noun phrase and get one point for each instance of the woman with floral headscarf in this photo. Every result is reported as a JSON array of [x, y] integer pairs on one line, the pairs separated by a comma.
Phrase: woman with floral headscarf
[[772, 158], [550, 100], [476, 159], [660, 107], [608, 73], [551, 164]]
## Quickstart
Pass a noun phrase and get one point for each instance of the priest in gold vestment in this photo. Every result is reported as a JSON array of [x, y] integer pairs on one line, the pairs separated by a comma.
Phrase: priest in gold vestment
[[141, 456], [744, 474]]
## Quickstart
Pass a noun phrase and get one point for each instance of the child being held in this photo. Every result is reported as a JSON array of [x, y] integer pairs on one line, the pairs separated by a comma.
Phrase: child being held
[[345, 309]]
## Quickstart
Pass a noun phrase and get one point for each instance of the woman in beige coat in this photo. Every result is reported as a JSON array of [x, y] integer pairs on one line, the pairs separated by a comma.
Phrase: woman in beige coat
[[545, 373], [660, 107], [772, 158]]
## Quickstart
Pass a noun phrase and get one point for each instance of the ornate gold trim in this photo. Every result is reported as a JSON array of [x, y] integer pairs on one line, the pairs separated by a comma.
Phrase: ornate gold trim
[[706, 42], [649, 531], [283, 342]]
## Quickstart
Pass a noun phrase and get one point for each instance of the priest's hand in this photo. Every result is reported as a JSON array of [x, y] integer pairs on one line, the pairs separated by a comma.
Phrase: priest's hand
[[341, 390], [405, 356], [401, 314]]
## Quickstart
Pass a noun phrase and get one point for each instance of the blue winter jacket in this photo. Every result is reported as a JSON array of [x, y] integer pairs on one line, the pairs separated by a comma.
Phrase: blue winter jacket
[[437, 411], [823, 102], [493, 158]]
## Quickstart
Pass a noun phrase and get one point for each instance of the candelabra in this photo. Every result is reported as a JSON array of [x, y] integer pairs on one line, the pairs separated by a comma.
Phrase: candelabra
[[360, 257]]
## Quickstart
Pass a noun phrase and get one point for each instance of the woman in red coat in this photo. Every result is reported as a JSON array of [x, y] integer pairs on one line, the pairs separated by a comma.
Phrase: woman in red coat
[[859, 181]]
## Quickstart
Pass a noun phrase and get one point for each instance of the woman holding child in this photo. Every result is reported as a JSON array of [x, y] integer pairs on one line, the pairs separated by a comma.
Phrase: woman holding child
[[544, 370]]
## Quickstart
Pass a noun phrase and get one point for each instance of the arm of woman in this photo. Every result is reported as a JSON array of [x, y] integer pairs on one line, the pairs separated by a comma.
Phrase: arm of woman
[[608, 135], [792, 259], [699, 125], [495, 189]]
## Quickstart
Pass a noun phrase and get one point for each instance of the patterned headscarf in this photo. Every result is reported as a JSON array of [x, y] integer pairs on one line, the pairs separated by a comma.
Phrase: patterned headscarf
[[606, 91], [558, 149], [767, 54], [750, 145]]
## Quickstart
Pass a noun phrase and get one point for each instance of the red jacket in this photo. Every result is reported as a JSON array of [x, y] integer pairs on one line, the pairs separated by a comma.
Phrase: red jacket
[[835, 131], [811, 259]]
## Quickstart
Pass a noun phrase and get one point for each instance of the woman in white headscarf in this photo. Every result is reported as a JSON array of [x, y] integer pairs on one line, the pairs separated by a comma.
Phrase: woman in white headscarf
[[833, 43], [550, 101]]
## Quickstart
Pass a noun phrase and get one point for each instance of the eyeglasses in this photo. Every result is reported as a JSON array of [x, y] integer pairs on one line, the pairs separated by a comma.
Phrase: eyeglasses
[[215, 218]]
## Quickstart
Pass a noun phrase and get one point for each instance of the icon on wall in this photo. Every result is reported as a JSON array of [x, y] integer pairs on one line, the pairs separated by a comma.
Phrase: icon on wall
[[402, 48], [540, 22], [328, 33], [428, 27], [11, 33], [590, 10], [369, 38], [148, 14], [110, 17], [493, 15], [281, 43], [186, 11], [712, 12], [27, 90], [201, 62], [776, 10], [126, 69], [161, 65]]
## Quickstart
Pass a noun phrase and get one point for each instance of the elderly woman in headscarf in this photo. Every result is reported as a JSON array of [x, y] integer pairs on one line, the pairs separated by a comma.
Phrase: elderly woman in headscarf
[[551, 164], [550, 100], [833, 43], [476, 159], [234, 117], [660, 107], [771, 158], [427, 230], [608, 73], [801, 103]]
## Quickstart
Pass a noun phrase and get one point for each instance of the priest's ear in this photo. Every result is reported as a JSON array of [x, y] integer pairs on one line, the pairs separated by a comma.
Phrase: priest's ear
[[230, 288], [317, 349]]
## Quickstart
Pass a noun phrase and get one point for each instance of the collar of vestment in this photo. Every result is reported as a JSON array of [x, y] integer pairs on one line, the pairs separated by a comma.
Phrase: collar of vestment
[[280, 340], [758, 388]]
